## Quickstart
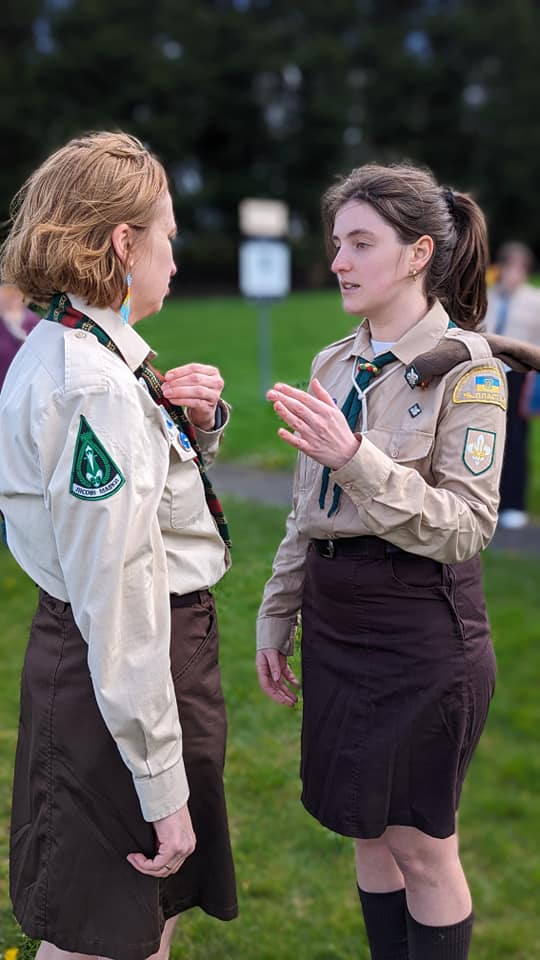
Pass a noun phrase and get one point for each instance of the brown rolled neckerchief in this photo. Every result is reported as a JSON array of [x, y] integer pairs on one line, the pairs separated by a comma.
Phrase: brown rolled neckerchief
[[516, 354]]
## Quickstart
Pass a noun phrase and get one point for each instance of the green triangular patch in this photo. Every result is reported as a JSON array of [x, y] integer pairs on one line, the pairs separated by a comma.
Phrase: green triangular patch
[[94, 474]]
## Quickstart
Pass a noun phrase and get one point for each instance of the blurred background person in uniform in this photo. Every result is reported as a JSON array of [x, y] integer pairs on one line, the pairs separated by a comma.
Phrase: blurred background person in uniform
[[16, 322], [514, 311]]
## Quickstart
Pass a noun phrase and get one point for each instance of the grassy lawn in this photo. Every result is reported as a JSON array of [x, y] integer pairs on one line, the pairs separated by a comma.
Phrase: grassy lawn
[[224, 332], [296, 880]]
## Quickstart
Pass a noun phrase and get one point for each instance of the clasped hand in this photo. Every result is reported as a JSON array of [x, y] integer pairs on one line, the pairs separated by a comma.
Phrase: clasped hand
[[197, 387], [321, 430]]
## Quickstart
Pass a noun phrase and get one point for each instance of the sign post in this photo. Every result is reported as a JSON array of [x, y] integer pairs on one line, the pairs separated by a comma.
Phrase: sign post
[[264, 270]]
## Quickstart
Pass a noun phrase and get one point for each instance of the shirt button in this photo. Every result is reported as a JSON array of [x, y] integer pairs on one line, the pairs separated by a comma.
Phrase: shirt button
[[80, 334]]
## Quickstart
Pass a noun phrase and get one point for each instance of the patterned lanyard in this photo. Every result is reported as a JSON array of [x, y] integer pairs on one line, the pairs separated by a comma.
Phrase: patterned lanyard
[[61, 311]]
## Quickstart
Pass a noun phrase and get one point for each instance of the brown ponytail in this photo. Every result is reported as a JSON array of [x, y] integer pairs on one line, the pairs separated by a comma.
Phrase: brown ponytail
[[465, 295], [412, 202]]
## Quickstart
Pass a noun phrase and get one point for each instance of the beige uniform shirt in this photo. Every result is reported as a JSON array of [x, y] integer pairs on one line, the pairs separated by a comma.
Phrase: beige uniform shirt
[[115, 557], [426, 474], [523, 314]]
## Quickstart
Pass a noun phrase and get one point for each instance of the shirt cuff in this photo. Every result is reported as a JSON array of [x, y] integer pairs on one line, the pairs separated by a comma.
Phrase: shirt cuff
[[163, 794], [366, 473], [277, 633], [221, 419]]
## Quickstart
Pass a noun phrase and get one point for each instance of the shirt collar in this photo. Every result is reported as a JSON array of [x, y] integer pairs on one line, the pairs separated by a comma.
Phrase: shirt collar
[[132, 346], [424, 336]]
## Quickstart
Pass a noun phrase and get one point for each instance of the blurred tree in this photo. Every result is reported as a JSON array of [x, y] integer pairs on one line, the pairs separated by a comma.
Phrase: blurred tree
[[19, 104], [269, 98]]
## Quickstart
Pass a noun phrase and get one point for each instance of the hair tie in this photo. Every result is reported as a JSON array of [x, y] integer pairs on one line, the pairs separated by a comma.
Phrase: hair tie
[[450, 200]]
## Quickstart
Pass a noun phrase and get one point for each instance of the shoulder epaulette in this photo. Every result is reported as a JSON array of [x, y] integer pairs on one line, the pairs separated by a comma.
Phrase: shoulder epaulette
[[452, 351]]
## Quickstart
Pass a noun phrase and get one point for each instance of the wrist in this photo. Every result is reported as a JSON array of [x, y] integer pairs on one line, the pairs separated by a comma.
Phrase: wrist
[[348, 454], [204, 421]]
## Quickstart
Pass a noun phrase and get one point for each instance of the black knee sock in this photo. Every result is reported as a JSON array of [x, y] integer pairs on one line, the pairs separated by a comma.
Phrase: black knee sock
[[439, 943], [385, 917]]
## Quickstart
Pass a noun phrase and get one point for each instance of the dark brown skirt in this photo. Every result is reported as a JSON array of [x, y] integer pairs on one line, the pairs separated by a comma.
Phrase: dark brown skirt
[[75, 810], [398, 673]]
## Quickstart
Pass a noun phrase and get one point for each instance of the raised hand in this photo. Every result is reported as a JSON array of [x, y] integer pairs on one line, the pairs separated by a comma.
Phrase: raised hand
[[321, 430], [197, 387]]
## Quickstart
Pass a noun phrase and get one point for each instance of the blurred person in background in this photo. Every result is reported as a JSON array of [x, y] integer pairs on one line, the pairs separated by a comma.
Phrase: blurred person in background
[[396, 493], [118, 821], [16, 322], [514, 311]]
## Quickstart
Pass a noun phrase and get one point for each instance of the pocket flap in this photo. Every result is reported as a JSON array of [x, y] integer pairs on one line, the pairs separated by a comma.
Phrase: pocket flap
[[402, 446]]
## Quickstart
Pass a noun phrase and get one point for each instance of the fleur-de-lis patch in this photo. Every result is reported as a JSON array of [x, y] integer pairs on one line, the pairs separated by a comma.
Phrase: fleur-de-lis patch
[[479, 450]]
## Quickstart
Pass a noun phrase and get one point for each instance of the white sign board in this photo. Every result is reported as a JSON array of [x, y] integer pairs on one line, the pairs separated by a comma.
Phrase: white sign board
[[265, 269], [263, 218]]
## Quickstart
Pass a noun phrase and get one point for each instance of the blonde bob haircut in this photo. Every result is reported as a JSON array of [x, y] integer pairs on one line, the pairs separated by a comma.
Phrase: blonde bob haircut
[[64, 215]]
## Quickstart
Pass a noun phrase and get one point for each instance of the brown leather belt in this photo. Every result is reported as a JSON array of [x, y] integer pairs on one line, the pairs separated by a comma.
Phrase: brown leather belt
[[188, 599], [355, 547]]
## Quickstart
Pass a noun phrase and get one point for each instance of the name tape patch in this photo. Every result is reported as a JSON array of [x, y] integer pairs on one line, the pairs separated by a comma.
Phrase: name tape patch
[[483, 385]]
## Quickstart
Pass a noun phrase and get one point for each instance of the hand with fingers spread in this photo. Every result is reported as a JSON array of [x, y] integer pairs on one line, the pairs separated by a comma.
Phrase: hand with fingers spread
[[175, 841], [321, 430], [275, 676], [197, 387]]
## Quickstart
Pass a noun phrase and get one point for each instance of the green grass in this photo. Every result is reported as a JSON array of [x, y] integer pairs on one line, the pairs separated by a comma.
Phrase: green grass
[[296, 880], [223, 332]]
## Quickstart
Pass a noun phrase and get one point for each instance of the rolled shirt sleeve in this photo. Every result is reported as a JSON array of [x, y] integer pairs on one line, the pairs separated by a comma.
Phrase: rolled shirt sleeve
[[114, 564], [210, 440]]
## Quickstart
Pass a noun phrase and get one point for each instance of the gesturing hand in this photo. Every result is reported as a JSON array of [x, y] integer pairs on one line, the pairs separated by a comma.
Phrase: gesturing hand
[[198, 387], [274, 675], [322, 431], [175, 841]]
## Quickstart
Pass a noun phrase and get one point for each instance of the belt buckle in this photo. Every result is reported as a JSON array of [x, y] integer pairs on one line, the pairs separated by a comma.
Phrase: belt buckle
[[329, 549]]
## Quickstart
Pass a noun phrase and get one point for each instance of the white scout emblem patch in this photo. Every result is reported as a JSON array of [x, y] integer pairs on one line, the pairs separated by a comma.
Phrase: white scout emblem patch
[[184, 440], [482, 385], [478, 450], [94, 474]]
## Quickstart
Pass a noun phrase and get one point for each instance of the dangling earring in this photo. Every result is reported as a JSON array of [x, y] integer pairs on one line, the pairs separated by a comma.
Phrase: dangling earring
[[413, 273], [126, 303]]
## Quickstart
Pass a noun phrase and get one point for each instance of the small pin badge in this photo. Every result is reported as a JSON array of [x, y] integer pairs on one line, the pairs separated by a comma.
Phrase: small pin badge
[[412, 376], [184, 440], [415, 409]]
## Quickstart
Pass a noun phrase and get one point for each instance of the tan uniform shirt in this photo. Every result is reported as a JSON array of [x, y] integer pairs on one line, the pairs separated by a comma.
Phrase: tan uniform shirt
[[115, 558], [426, 474], [522, 317]]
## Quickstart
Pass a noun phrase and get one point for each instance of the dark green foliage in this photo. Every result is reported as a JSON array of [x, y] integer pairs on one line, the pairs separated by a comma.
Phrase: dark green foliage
[[269, 98]]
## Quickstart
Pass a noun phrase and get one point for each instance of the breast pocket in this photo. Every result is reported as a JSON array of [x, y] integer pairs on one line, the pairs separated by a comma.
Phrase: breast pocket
[[183, 498], [412, 448]]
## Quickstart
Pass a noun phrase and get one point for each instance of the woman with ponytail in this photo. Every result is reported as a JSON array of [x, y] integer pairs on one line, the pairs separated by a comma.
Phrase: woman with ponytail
[[400, 441]]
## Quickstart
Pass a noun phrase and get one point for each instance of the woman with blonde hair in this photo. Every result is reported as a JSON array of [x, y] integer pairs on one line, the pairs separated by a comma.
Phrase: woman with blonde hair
[[119, 821]]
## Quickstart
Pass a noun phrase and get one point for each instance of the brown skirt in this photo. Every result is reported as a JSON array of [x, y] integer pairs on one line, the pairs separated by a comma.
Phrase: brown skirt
[[398, 673], [75, 810]]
